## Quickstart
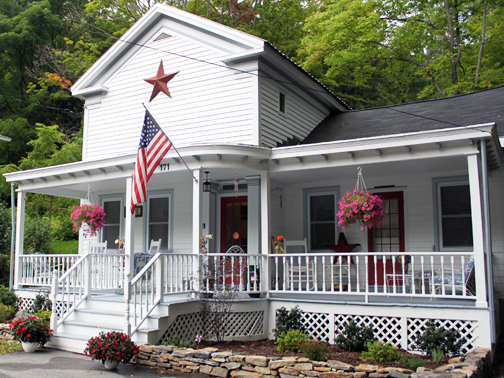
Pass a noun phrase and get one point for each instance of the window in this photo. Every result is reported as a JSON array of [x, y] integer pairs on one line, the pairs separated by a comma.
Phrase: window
[[113, 216], [453, 215], [281, 102], [158, 220], [320, 217]]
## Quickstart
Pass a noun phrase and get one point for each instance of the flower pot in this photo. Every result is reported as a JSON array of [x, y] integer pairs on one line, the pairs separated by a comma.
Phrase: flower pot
[[110, 365], [30, 347]]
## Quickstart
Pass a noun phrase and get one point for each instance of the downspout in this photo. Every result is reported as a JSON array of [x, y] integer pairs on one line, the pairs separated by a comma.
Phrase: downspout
[[488, 239], [13, 236]]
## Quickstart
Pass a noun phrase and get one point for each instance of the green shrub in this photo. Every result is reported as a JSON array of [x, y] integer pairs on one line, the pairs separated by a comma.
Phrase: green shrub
[[288, 320], [62, 230], [315, 350], [291, 341], [4, 270], [8, 298], [355, 338], [449, 341], [175, 340], [5, 229], [413, 362], [6, 313], [380, 352], [41, 303], [37, 236], [45, 316], [437, 355]]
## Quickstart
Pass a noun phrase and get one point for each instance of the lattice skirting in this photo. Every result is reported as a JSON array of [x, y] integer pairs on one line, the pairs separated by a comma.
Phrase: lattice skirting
[[238, 325], [27, 303]]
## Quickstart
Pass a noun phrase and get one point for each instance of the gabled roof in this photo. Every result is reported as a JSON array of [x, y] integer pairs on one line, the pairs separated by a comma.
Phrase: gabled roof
[[485, 106], [236, 47]]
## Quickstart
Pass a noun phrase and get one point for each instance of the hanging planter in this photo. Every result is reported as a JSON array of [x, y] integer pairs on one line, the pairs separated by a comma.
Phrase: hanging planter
[[88, 217], [361, 206]]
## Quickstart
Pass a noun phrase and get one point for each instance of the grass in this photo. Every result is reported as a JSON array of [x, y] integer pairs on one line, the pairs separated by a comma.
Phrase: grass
[[8, 347], [65, 247]]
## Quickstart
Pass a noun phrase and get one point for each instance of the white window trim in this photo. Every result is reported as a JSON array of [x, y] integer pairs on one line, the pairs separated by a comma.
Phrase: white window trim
[[112, 198], [438, 183], [146, 237], [314, 192]]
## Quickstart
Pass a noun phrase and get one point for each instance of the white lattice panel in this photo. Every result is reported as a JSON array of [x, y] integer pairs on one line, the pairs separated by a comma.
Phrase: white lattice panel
[[316, 325], [242, 324], [468, 331], [25, 303], [185, 326], [386, 329]]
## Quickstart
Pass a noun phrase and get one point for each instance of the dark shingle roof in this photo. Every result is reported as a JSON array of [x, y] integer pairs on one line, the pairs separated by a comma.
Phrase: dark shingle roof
[[463, 110]]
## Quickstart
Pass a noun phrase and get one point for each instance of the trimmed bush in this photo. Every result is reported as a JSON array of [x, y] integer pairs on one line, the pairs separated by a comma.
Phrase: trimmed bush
[[380, 352], [291, 341], [288, 320], [6, 313], [355, 338], [448, 341]]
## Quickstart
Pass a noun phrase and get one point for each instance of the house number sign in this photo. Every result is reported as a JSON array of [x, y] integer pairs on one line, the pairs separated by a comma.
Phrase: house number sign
[[164, 167]]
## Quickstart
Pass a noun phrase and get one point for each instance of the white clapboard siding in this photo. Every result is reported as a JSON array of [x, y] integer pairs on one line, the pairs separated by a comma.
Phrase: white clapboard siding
[[209, 104], [301, 113]]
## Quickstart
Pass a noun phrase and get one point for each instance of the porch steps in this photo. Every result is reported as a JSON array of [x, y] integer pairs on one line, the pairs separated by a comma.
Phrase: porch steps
[[102, 313]]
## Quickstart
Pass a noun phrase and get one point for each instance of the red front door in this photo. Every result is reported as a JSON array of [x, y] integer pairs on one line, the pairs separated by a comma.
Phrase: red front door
[[387, 238], [234, 222]]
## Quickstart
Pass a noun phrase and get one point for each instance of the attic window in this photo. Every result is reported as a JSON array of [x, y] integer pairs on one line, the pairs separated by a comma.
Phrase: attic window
[[162, 36], [281, 102]]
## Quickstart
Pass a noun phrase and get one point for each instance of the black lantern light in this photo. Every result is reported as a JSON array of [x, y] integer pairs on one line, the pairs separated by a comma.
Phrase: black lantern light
[[207, 186]]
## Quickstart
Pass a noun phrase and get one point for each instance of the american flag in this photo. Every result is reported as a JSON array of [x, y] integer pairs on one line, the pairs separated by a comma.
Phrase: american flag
[[154, 145]]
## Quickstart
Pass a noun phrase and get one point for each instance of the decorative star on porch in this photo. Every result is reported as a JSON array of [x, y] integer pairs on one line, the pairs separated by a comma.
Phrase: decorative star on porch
[[342, 246], [159, 81]]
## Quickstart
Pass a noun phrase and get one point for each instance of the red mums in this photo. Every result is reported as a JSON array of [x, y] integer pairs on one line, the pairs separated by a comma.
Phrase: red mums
[[111, 346], [32, 330]]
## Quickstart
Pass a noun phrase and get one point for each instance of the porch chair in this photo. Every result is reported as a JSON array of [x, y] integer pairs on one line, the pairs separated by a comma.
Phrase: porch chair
[[300, 273], [97, 247], [155, 245], [458, 280], [234, 267]]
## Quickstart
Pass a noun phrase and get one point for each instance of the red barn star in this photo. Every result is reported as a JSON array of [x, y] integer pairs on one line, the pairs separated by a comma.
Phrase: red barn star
[[159, 81]]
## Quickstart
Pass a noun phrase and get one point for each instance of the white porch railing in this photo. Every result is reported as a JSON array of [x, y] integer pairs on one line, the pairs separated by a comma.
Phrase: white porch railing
[[37, 270], [427, 274]]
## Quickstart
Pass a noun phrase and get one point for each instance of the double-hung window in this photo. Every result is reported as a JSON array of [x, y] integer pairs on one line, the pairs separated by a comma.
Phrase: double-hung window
[[114, 215], [159, 218], [453, 214], [320, 217]]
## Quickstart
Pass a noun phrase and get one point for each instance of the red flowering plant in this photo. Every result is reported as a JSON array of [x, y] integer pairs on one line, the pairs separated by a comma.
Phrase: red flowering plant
[[111, 346], [31, 330], [278, 244], [360, 206], [90, 217]]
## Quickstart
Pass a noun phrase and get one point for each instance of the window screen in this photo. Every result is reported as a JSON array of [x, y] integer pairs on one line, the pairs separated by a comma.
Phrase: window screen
[[112, 226], [322, 221], [159, 220], [456, 224]]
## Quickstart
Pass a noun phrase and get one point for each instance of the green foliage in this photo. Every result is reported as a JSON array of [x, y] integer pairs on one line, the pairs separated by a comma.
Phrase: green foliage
[[4, 270], [112, 346], [315, 350], [175, 340], [413, 362], [380, 352], [45, 316], [355, 338], [6, 313], [41, 303], [437, 355], [449, 341], [9, 347], [288, 320], [62, 230], [291, 341], [65, 247], [7, 297], [5, 229], [31, 330], [37, 236]]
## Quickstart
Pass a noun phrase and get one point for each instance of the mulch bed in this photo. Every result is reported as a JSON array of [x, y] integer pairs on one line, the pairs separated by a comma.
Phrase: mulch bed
[[268, 348]]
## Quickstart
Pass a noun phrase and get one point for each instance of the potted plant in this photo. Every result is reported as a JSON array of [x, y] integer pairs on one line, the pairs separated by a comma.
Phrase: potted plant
[[90, 217], [111, 348], [278, 244], [362, 206], [32, 332]]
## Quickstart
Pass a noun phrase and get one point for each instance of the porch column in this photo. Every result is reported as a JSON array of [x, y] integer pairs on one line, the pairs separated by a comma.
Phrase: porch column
[[129, 232], [265, 227], [253, 214], [473, 168], [196, 223], [19, 237]]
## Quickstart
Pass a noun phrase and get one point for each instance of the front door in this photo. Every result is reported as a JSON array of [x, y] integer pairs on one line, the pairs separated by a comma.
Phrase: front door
[[387, 238], [234, 222]]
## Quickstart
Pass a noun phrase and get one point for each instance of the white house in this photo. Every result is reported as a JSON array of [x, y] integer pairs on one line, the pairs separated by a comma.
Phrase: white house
[[280, 151]]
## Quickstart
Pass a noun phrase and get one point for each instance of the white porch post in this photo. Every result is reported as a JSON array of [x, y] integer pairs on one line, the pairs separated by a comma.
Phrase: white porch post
[[473, 168], [196, 223], [19, 237], [265, 227], [129, 239], [253, 214]]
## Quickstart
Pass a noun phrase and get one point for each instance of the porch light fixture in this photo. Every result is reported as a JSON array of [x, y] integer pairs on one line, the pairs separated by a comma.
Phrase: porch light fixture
[[207, 186]]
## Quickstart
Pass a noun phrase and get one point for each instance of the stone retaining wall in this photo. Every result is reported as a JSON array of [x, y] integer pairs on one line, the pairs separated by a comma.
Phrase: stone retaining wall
[[211, 362]]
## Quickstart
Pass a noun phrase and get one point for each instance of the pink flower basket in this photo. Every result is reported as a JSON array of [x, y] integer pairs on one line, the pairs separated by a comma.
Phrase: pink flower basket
[[360, 206], [88, 217]]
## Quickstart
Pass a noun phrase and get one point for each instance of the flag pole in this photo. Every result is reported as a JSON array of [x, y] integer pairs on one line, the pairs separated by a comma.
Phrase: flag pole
[[159, 127]]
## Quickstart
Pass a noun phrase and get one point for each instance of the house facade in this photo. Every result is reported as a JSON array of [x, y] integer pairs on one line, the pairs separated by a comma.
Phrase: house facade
[[275, 150]]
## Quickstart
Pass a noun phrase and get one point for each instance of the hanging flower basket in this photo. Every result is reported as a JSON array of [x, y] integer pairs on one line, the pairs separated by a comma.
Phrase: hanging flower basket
[[360, 206], [88, 217]]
